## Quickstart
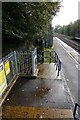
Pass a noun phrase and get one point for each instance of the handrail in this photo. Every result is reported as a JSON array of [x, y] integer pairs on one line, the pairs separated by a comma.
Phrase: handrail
[[75, 110], [58, 63]]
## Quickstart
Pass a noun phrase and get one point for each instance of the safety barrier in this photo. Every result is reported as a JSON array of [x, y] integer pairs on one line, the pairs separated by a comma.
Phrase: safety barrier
[[45, 54], [18, 63], [15, 64], [75, 115], [52, 58], [58, 63], [24, 62], [8, 71]]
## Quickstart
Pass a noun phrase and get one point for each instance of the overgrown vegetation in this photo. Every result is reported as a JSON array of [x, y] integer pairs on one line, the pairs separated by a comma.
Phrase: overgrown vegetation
[[72, 30], [49, 54], [23, 23]]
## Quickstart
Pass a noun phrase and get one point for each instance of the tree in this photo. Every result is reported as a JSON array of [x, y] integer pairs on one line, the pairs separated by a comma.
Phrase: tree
[[24, 22], [72, 29]]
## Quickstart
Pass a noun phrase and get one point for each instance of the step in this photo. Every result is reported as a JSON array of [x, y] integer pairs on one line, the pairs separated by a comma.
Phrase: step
[[32, 112]]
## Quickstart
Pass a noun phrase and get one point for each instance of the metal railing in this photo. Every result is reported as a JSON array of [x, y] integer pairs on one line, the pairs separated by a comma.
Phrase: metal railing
[[75, 114], [52, 58], [15, 64], [18, 63], [11, 58], [57, 63], [24, 62], [45, 54]]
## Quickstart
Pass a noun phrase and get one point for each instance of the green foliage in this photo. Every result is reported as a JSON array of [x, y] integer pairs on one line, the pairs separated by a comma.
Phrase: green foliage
[[73, 29], [24, 22], [47, 55]]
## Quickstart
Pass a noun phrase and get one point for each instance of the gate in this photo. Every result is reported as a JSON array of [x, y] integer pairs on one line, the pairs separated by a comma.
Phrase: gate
[[27, 62], [24, 62]]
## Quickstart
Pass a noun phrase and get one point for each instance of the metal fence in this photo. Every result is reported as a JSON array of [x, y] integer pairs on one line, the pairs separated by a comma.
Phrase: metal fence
[[10, 63], [45, 56], [15, 64], [24, 62], [8, 71]]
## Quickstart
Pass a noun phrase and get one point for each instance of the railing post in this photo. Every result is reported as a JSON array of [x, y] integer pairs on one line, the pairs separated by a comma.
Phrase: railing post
[[42, 56], [34, 62], [59, 65], [74, 113], [16, 62], [75, 110], [55, 56], [50, 56], [56, 61]]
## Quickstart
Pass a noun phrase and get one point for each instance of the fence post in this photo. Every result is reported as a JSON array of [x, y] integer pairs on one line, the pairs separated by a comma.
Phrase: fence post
[[16, 62], [34, 62], [56, 61], [50, 56], [58, 66], [42, 56]]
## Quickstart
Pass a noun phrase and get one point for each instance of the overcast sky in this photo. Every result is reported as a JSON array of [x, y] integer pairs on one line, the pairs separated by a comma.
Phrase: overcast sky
[[68, 13]]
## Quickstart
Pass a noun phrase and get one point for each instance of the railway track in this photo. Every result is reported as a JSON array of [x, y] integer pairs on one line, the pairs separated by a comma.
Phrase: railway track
[[75, 44]]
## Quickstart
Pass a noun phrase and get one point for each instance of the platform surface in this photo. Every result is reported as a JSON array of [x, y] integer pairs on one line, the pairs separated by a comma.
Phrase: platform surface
[[44, 97]]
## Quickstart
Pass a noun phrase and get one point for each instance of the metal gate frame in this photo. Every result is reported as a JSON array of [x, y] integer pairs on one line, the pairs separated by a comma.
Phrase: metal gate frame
[[19, 62]]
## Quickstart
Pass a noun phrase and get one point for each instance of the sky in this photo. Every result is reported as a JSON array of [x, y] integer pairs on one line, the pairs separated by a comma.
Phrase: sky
[[68, 13]]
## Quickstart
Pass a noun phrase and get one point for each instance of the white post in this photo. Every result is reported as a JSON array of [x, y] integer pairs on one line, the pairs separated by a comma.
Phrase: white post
[[34, 62]]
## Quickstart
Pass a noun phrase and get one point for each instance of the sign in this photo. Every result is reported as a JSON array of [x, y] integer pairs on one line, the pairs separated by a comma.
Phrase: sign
[[3, 83], [7, 67]]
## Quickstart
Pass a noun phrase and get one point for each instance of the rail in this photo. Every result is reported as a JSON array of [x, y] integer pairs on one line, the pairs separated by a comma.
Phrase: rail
[[57, 63], [75, 115], [52, 58], [15, 64]]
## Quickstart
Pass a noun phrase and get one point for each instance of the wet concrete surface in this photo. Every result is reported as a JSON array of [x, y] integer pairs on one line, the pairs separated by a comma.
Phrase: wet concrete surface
[[43, 97], [47, 71], [38, 93]]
